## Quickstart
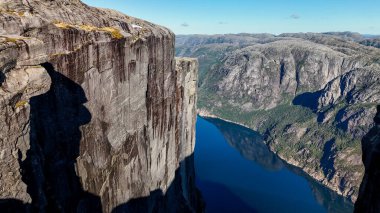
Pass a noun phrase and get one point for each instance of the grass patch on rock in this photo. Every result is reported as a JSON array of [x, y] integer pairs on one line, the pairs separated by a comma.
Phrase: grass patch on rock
[[114, 32]]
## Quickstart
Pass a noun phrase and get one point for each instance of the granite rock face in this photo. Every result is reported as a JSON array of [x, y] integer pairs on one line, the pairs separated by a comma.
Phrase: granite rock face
[[96, 111], [312, 96], [20, 84], [369, 195]]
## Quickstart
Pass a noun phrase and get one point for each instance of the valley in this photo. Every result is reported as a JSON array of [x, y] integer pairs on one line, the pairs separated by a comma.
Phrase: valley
[[313, 96]]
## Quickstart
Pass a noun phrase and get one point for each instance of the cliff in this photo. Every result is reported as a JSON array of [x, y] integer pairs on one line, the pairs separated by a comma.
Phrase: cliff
[[312, 96], [96, 111], [369, 195]]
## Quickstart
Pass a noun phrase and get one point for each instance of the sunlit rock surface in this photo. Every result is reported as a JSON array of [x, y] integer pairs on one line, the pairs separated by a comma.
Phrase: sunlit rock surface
[[95, 112]]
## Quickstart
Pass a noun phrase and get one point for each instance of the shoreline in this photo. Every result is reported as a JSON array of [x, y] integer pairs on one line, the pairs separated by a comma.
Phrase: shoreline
[[205, 114]]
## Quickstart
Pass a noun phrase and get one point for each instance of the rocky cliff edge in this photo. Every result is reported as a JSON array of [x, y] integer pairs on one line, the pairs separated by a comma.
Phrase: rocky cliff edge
[[95, 110]]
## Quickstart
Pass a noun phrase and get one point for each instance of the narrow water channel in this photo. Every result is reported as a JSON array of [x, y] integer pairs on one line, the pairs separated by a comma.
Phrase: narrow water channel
[[236, 172]]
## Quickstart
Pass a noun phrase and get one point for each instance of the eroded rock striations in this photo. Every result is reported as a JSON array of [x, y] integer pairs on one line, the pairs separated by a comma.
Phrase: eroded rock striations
[[369, 195], [95, 111], [312, 96]]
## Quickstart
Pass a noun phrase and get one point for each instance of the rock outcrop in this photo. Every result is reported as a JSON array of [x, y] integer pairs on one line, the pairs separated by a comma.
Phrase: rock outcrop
[[369, 195], [95, 112], [312, 96]]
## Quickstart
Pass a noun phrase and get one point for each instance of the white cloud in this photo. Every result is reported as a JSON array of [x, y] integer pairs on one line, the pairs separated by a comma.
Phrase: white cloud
[[185, 24], [295, 16]]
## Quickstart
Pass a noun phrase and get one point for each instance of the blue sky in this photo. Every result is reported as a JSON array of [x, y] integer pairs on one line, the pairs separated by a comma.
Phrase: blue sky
[[253, 16]]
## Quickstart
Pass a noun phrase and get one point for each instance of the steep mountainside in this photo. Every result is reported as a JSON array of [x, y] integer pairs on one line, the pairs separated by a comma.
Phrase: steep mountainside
[[369, 195], [95, 112], [210, 49], [374, 42], [313, 96]]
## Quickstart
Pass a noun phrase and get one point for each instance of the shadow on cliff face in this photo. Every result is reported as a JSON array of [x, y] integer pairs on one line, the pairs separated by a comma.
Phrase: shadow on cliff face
[[369, 195], [328, 158], [49, 168], [2, 77], [181, 196], [14, 205], [4, 69], [308, 99]]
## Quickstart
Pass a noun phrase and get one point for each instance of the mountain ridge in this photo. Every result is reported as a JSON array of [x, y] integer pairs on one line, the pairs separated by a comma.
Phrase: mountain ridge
[[313, 96]]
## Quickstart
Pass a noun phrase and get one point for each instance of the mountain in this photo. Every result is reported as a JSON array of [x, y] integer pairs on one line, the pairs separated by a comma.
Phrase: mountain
[[96, 113], [313, 96], [369, 194]]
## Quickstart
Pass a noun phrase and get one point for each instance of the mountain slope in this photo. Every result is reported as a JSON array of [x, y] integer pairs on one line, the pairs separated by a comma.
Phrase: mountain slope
[[313, 97]]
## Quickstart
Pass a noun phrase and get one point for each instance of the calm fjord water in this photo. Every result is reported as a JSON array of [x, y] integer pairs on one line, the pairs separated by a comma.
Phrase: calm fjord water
[[236, 172]]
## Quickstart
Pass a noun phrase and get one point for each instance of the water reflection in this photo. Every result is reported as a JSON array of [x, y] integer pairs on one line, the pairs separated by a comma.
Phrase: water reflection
[[249, 143], [254, 177]]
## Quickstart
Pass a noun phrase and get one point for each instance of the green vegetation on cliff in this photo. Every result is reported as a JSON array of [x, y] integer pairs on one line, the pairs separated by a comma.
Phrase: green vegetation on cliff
[[312, 96]]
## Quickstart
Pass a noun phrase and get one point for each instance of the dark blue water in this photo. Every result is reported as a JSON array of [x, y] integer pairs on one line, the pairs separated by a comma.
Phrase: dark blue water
[[237, 173]]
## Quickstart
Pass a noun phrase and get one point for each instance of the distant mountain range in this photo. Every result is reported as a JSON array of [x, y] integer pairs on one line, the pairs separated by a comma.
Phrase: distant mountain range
[[312, 95]]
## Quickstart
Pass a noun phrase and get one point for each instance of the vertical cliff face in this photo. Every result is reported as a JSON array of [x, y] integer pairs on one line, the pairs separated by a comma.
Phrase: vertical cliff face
[[369, 194], [95, 109], [20, 84]]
